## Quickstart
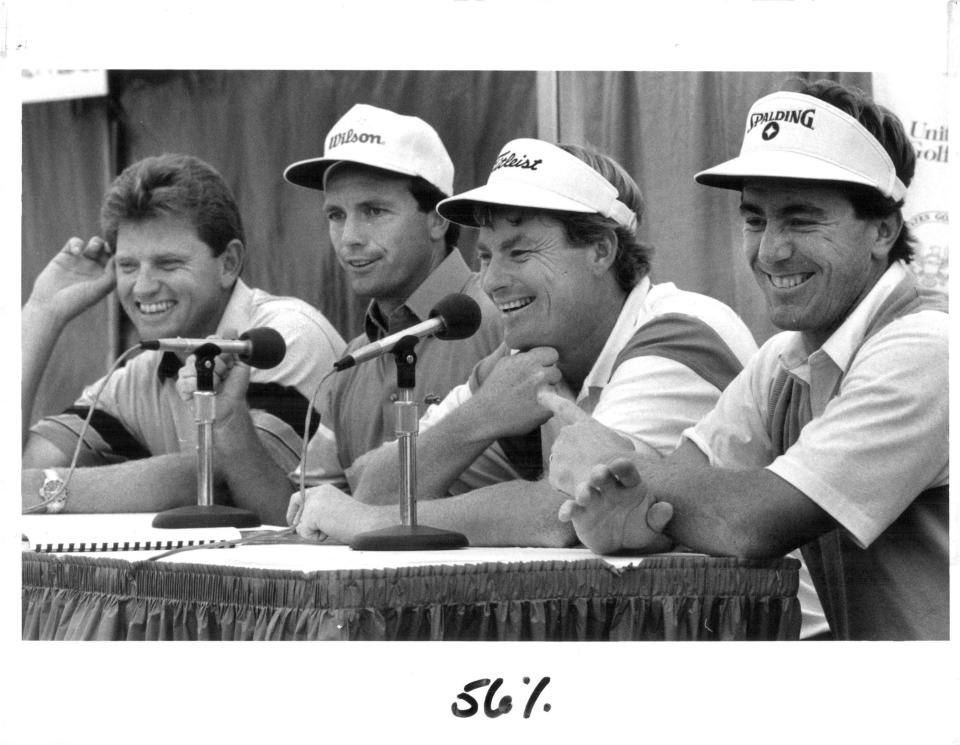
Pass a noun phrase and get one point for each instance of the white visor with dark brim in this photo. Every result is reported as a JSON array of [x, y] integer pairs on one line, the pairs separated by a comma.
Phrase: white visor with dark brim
[[533, 174], [796, 136]]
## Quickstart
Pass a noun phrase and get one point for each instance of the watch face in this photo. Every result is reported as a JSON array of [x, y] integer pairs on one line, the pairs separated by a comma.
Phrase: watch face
[[49, 488]]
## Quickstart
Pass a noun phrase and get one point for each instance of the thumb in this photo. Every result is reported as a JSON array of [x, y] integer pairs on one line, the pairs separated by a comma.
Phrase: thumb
[[659, 514], [567, 412]]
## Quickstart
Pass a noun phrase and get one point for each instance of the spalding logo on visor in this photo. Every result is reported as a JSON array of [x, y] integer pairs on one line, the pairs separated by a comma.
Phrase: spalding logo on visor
[[770, 131], [803, 117]]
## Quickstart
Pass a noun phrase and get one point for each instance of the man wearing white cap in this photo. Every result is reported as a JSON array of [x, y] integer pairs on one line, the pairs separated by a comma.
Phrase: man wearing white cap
[[835, 437], [382, 175], [561, 258]]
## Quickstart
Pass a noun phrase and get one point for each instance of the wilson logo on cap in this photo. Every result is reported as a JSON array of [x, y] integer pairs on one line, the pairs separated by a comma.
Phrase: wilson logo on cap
[[345, 138]]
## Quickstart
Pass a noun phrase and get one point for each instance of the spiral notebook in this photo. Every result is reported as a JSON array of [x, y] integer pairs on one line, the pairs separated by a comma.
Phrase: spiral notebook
[[111, 532]]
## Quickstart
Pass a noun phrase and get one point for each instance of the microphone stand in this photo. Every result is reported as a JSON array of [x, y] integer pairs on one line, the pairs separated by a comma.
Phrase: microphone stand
[[407, 536], [205, 514]]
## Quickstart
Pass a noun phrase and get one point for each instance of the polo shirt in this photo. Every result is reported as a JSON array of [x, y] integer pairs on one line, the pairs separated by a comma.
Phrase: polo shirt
[[357, 412], [663, 366], [874, 438], [140, 414]]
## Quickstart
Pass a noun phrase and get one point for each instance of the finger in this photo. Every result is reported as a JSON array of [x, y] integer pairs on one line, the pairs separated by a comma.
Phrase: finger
[[546, 356], [568, 510], [567, 412], [600, 477], [587, 493], [96, 250], [73, 246], [293, 509], [659, 514], [624, 471]]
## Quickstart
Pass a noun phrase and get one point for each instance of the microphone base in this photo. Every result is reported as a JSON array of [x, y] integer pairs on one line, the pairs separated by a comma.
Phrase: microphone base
[[206, 516], [408, 538]]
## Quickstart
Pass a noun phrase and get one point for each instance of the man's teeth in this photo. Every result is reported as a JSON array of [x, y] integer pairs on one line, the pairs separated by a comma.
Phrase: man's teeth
[[787, 281], [156, 307], [359, 263], [514, 304]]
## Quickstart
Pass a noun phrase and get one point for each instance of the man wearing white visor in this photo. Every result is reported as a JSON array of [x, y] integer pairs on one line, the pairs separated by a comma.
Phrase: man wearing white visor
[[561, 259], [835, 437]]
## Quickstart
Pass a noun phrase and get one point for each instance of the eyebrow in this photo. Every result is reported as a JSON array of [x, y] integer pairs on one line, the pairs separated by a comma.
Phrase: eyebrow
[[506, 244], [796, 208], [371, 202]]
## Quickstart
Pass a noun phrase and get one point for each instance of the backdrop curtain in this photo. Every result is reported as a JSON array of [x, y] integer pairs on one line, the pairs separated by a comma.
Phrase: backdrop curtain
[[66, 164]]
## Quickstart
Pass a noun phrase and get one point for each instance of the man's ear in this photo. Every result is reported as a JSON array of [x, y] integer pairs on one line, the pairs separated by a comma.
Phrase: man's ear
[[436, 225], [888, 230], [231, 262], [604, 252]]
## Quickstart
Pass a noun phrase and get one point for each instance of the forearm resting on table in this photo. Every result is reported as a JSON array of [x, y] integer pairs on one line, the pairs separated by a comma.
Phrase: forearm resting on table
[[443, 452], [254, 479], [751, 513], [147, 485], [514, 513]]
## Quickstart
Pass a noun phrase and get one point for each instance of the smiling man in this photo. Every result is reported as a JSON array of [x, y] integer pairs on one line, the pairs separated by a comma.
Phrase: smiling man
[[173, 247], [561, 258], [381, 175], [835, 437]]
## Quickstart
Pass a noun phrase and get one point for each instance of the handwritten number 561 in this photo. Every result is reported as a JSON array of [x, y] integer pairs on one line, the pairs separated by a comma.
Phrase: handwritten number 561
[[503, 707]]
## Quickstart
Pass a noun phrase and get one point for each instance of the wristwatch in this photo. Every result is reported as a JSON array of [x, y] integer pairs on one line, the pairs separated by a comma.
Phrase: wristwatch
[[53, 485]]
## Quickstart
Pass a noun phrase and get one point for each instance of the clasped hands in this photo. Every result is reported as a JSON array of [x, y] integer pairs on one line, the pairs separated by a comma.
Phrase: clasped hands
[[611, 507]]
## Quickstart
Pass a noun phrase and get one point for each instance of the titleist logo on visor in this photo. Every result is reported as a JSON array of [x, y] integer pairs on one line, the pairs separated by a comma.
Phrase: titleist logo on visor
[[344, 138], [792, 116], [510, 159]]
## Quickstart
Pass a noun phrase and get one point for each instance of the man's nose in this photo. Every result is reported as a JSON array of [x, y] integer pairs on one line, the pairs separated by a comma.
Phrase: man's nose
[[775, 245], [352, 232], [493, 277], [146, 282]]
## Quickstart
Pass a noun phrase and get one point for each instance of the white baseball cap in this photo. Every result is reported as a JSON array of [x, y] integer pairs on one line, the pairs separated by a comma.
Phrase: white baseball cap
[[380, 138], [796, 136], [537, 174]]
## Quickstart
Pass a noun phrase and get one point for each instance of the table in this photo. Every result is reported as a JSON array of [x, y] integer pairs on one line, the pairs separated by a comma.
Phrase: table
[[307, 592]]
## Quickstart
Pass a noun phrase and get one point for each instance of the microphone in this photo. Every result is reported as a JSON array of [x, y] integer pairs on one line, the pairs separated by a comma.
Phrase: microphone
[[456, 316], [260, 347]]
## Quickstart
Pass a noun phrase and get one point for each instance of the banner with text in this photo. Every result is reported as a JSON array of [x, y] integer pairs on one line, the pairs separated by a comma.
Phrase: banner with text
[[921, 103]]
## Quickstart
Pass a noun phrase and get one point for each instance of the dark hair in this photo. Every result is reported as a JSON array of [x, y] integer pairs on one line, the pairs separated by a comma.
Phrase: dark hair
[[175, 186], [887, 128], [428, 196], [632, 261]]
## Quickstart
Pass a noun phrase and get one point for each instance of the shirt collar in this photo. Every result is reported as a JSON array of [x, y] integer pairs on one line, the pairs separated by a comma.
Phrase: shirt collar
[[632, 315], [239, 309], [844, 342], [451, 275], [235, 315], [169, 366]]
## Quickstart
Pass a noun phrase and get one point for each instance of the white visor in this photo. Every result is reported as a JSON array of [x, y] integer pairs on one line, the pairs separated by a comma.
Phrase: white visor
[[535, 174], [796, 136]]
